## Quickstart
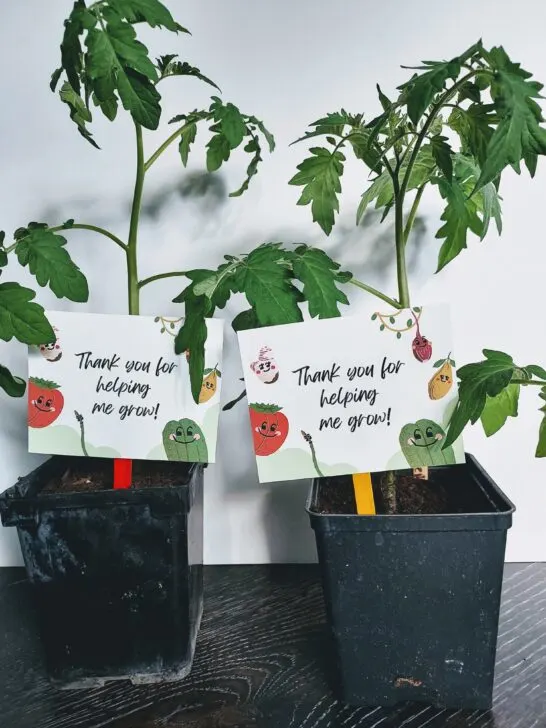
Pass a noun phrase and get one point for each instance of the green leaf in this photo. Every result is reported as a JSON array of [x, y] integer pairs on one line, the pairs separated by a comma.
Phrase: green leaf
[[150, 11], [487, 198], [409, 324], [252, 147], [343, 276], [232, 122], [44, 253], [115, 59], [21, 318], [438, 363], [541, 445], [537, 371], [316, 271], [442, 153], [497, 409], [268, 136], [385, 102], [192, 335], [475, 127], [265, 279], [3, 258], [476, 382], [320, 176], [518, 135], [169, 67], [187, 138], [71, 51], [55, 76], [460, 216], [421, 89], [79, 113], [12, 385], [218, 151], [245, 320]]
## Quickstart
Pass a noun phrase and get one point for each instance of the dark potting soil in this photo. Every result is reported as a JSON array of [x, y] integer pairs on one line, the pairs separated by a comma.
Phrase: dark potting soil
[[93, 476], [414, 496]]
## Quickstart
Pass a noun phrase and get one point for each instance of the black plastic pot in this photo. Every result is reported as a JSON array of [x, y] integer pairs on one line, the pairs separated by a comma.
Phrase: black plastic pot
[[117, 575], [412, 601]]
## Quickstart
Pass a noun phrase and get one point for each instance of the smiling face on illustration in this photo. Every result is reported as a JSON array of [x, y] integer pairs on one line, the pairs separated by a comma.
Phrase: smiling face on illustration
[[265, 367], [422, 442], [52, 352], [184, 440]]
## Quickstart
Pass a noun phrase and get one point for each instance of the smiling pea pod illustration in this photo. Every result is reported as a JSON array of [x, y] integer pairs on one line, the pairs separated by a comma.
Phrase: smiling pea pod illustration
[[183, 440], [421, 443]]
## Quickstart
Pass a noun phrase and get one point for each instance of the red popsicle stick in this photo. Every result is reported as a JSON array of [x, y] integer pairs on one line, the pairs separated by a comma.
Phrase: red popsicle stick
[[123, 473]]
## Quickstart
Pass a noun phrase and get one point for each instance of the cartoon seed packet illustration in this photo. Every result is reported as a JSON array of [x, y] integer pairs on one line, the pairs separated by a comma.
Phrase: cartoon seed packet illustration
[[351, 394], [117, 389]]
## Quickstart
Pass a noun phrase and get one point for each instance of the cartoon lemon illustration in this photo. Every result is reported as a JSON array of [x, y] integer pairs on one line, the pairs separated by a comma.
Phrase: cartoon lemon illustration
[[442, 381], [210, 384]]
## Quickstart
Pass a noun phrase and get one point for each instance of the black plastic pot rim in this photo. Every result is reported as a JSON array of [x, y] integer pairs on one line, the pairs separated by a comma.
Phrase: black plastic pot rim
[[498, 519]]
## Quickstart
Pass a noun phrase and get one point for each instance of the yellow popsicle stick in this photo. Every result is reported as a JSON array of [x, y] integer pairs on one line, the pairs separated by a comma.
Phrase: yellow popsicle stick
[[362, 484]]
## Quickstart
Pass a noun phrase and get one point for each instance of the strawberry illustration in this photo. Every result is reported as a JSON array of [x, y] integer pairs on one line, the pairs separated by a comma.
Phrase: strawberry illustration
[[269, 428]]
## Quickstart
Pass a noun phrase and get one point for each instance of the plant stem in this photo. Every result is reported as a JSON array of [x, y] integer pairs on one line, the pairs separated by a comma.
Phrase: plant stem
[[401, 270], [159, 276], [536, 382], [159, 151], [81, 226], [375, 292], [132, 261], [413, 213], [388, 487]]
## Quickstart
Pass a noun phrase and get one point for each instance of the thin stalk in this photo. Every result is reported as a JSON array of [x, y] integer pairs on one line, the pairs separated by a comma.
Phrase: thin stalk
[[132, 262], [375, 292], [401, 270], [159, 276], [536, 382], [413, 213], [81, 226], [159, 151]]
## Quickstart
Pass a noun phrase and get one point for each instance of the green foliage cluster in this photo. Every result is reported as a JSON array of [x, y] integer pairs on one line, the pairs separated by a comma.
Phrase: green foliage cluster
[[455, 127]]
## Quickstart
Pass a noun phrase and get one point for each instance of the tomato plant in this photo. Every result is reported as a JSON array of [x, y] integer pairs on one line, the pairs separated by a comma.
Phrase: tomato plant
[[45, 402], [269, 428]]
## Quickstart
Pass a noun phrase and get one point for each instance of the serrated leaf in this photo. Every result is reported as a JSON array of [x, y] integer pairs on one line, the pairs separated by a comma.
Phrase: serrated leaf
[[232, 122], [476, 382], [421, 89], [487, 198], [541, 445], [169, 67], [218, 152], [442, 153], [71, 51], [518, 135], [475, 127], [317, 271], [460, 216], [152, 12], [79, 113], [265, 280], [12, 385], [268, 136], [497, 409], [21, 318], [245, 320], [320, 176], [187, 138], [115, 59], [253, 147], [43, 252]]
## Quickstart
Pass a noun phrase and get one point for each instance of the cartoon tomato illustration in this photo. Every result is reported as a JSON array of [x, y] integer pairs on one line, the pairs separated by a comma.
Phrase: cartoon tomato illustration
[[269, 428], [45, 402]]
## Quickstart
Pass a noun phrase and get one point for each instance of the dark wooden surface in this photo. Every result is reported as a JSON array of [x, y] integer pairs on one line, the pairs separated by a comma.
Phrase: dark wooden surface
[[262, 660]]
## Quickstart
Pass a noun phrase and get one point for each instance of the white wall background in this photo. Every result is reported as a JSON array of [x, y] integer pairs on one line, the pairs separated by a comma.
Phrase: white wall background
[[288, 63]]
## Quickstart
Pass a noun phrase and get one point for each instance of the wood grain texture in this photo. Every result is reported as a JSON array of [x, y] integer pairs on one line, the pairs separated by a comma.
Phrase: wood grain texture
[[262, 661]]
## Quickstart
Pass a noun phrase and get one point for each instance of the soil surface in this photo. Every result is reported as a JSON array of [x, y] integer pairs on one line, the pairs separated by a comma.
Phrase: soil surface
[[92, 475], [336, 496]]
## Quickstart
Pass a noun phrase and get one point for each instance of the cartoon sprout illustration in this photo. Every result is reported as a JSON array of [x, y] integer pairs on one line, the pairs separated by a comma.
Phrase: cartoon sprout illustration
[[81, 423], [45, 402], [184, 440], [269, 428], [442, 381], [265, 366], [51, 351], [420, 346], [309, 440], [422, 443], [210, 384]]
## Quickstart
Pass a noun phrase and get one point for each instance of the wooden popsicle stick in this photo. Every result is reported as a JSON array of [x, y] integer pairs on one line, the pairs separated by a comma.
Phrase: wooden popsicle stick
[[123, 473], [362, 484]]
